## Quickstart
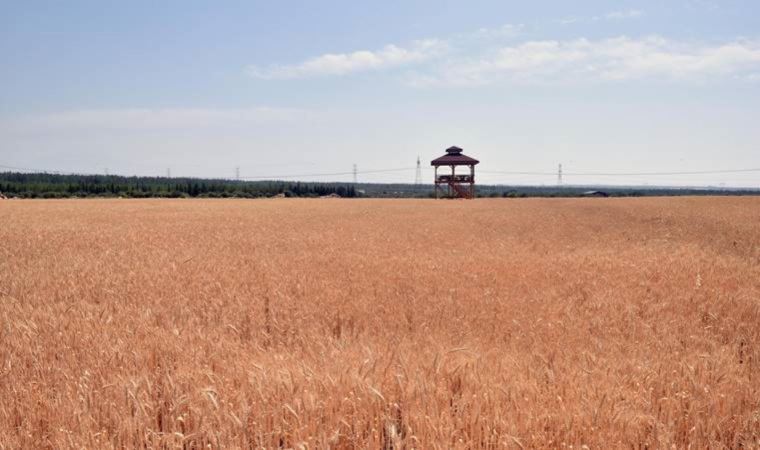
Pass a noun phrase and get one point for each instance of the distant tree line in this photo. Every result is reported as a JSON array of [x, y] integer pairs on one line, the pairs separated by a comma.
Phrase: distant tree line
[[605, 191], [45, 185]]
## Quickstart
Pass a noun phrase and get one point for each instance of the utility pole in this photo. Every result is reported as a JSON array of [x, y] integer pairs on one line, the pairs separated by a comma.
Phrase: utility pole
[[559, 175], [354, 173], [418, 173]]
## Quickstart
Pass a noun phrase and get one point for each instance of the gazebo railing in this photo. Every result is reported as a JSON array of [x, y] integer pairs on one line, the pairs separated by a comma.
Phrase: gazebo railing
[[455, 179]]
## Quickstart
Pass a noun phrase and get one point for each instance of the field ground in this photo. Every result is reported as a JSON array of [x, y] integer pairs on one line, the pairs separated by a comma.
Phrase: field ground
[[368, 323]]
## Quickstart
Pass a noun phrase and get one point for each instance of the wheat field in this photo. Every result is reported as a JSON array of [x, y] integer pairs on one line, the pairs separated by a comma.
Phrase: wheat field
[[295, 323]]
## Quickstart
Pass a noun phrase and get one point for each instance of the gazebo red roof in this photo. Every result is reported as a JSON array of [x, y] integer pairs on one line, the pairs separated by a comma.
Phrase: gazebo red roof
[[454, 157]]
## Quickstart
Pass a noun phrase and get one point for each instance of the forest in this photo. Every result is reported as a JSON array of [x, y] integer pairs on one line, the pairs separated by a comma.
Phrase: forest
[[49, 185], [45, 185]]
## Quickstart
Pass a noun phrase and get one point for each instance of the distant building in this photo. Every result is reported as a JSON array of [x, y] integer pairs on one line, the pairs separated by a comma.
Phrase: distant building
[[595, 194], [458, 186]]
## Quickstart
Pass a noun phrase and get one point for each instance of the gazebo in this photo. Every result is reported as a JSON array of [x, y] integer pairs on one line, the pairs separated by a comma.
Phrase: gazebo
[[457, 186]]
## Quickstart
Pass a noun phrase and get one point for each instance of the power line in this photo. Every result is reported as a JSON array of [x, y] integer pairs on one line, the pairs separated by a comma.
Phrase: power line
[[26, 169], [559, 174], [261, 177], [278, 177], [625, 174]]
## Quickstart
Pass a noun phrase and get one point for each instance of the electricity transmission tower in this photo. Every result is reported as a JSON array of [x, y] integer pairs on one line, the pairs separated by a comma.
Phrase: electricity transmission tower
[[168, 172], [354, 173], [559, 175], [237, 173], [418, 173]]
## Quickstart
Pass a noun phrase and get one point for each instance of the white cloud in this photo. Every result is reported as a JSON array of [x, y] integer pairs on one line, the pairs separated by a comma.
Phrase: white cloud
[[358, 61], [580, 60], [145, 119], [505, 31], [627, 14], [612, 15], [702, 5], [390, 56], [492, 55]]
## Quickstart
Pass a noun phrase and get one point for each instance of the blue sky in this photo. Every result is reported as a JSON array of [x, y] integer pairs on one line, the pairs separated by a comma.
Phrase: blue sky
[[296, 87]]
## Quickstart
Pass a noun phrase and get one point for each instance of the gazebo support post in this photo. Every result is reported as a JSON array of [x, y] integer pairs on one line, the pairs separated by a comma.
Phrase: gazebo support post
[[472, 181]]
